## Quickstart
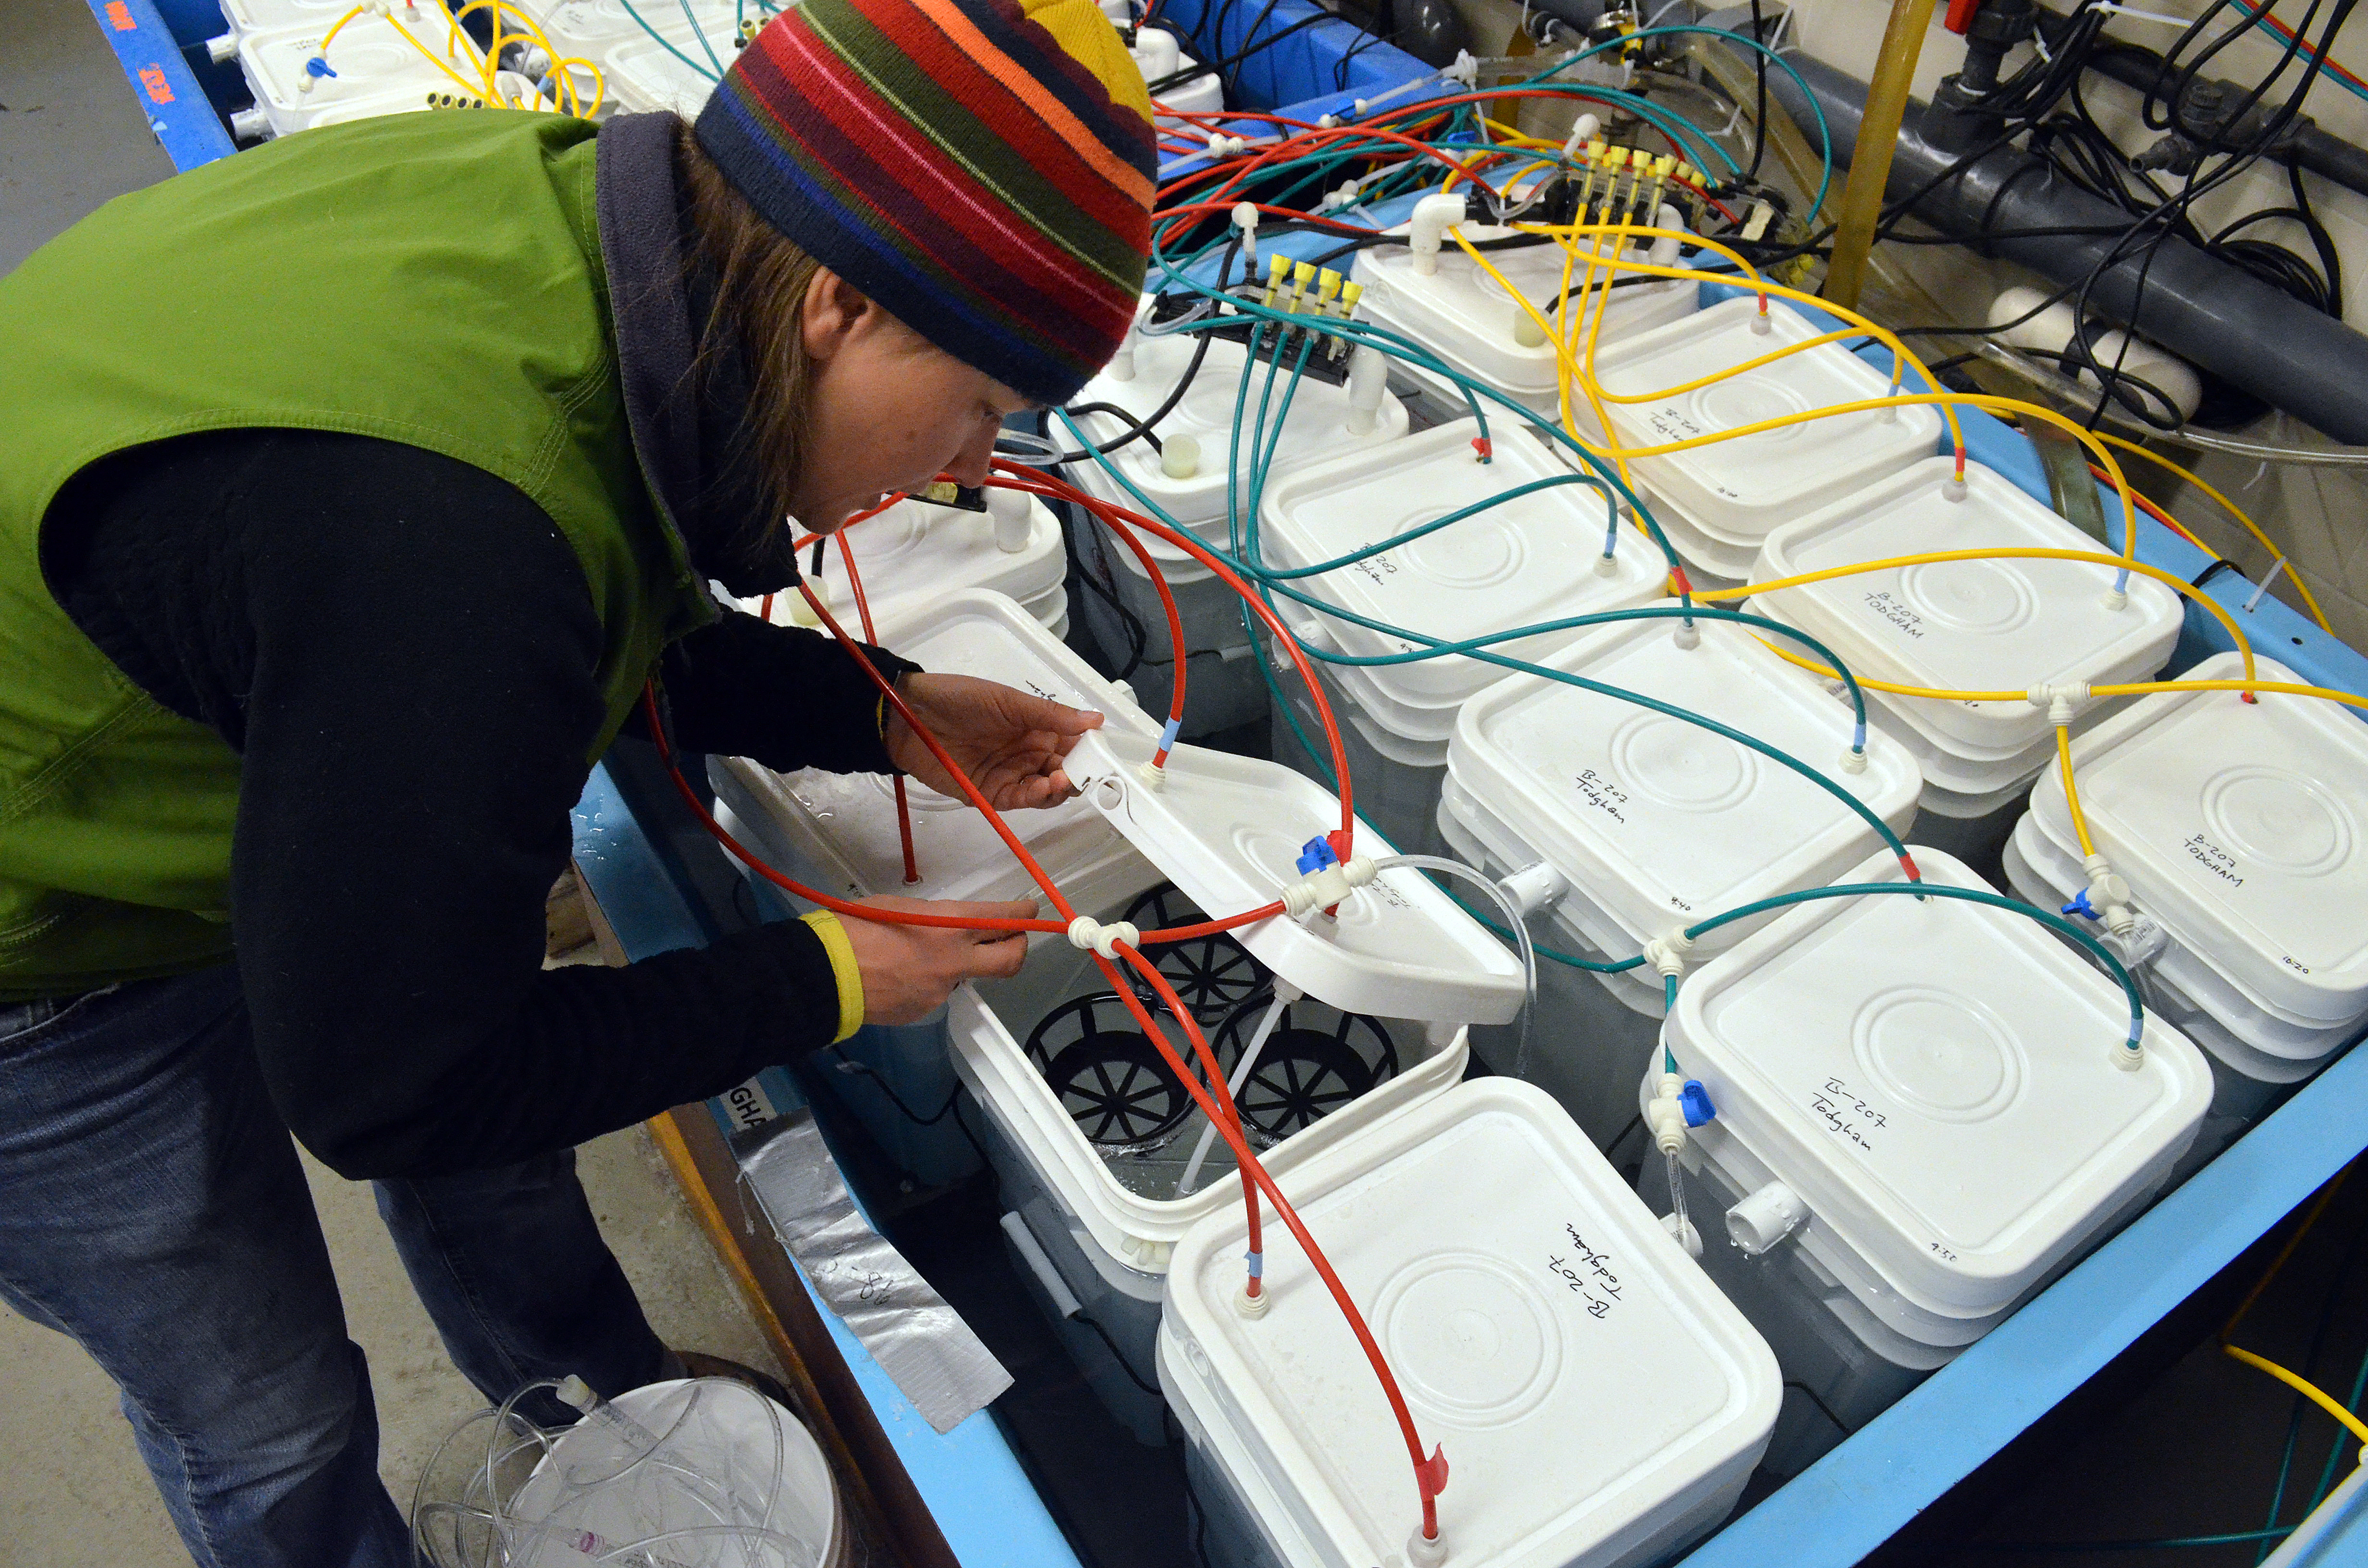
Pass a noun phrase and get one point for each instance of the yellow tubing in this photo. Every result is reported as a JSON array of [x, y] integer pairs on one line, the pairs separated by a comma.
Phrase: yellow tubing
[[1878, 136], [2071, 791], [2230, 507], [335, 28], [2002, 553]]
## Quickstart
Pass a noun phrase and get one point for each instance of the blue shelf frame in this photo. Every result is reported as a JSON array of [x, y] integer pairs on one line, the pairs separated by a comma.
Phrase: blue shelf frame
[[163, 81]]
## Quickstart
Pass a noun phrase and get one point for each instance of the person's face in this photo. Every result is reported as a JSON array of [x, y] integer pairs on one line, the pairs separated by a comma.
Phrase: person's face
[[888, 410]]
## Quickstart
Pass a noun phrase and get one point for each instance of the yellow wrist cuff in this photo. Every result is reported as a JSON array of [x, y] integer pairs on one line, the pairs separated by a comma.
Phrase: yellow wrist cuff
[[842, 968]]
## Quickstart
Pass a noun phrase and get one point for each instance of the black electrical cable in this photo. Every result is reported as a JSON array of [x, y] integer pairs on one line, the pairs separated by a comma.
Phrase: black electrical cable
[[849, 1064], [1137, 429], [1759, 99], [1119, 1356], [1825, 1410], [1177, 78], [1138, 636]]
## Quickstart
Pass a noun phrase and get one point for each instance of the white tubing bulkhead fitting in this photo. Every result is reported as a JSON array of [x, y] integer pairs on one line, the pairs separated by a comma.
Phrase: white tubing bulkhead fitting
[[1009, 510], [1427, 230], [1766, 1217], [1369, 371]]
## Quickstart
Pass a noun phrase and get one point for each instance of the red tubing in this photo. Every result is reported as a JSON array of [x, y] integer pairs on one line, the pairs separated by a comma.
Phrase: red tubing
[[1047, 485]]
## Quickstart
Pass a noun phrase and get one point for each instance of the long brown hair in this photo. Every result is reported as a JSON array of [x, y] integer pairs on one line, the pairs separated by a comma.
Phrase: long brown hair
[[760, 278]]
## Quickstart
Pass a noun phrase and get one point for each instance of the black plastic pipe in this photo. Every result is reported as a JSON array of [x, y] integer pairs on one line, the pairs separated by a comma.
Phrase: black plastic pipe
[[2217, 316], [2330, 157]]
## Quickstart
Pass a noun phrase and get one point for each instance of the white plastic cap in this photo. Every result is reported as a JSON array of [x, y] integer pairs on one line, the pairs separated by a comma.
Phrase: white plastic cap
[[1765, 1217], [1179, 457]]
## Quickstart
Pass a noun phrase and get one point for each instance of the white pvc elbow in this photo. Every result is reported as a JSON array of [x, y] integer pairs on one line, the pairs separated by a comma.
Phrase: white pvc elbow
[[1665, 249], [1009, 510], [1427, 230]]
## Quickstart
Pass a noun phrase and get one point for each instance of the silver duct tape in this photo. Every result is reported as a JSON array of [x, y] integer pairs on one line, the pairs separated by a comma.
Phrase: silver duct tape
[[920, 1342]]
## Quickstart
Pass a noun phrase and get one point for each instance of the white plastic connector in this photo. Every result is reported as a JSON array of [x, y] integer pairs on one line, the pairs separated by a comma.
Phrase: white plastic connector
[[2062, 700], [1154, 776], [1585, 128], [1251, 1306], [1179, 457], [1667, 953], [249, 124], [1246, 219], [1607, 566], [1223, 146], [1534, 887], [1427, 229], [1090, 934], [1664, 1114], [1764, 1218], [2109, 895], [222, 50], [1665, 249], [1955, 488], [1465, 70], [1369, 372], [1853, 760], [1322, 890], [2115, 600], [1686, 635], [1423, 1552], [1009, 510]]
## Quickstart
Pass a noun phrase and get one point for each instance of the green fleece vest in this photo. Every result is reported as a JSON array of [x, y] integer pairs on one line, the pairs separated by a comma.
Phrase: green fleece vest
[[429, 279]]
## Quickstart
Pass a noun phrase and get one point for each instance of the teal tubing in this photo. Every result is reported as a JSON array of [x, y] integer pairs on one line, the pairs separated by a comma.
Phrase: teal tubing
[[1825, 134], [668, 44], [2053, 922]]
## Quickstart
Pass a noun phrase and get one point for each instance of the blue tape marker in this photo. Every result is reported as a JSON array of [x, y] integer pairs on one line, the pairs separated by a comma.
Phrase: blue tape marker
[[1168, 735], [1258, 1263]]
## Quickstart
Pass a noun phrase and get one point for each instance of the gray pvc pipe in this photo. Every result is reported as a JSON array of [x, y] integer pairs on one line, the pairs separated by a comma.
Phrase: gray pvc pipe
[[2216, 315]]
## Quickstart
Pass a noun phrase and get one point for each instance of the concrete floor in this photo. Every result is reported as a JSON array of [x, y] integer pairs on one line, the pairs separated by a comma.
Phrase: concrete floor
[[74, 1494]]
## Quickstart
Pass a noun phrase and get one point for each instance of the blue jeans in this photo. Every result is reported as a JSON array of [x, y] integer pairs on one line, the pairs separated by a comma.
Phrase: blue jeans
[[152, 1207]]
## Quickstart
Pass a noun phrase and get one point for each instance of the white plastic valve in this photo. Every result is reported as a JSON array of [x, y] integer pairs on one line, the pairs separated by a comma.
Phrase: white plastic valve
[[1582, 130], [1427, 230], [1246, 219], [1009, 510], [1764, 1218], [1322, 890], [1369, 371], [1179, 458]]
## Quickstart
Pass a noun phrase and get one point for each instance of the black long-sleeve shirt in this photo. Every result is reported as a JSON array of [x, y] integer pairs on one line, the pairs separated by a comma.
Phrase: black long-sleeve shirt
[[400, 647]]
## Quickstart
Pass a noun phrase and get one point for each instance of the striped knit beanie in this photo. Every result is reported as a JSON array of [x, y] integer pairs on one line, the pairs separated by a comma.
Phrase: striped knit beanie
[[981, 168]]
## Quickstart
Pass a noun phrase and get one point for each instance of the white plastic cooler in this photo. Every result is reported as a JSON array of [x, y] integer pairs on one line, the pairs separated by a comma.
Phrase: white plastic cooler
[[1920, 1121], [1651, 822], [1718, 502], [2001, 625], [1537, 558], [2239, 828], [1599, 1403]]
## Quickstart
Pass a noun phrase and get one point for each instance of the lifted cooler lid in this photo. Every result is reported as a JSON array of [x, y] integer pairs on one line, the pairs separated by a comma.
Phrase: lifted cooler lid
[[1738, 490], [2244, 825], [1964, 625], [1527, 560], [1936, 1080], [845, 824], [1597, 1397], [1658, 821], [1228, 832]]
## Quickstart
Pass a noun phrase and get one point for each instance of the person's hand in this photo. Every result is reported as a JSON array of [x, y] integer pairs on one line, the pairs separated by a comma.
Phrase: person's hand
[[1012, 743], [908, 971]]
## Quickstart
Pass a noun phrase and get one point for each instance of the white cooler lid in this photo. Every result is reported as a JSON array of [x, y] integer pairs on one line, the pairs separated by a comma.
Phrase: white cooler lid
[[1527, 561], [373, 61], [1659, 821], [1936, 1081], [1465, 317], [1738, 491], [913, 554], [1964, 625], [1316, 427], [647, 75], [2243, 826], [1588, 1384], [853, 815], [1227, 831]]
